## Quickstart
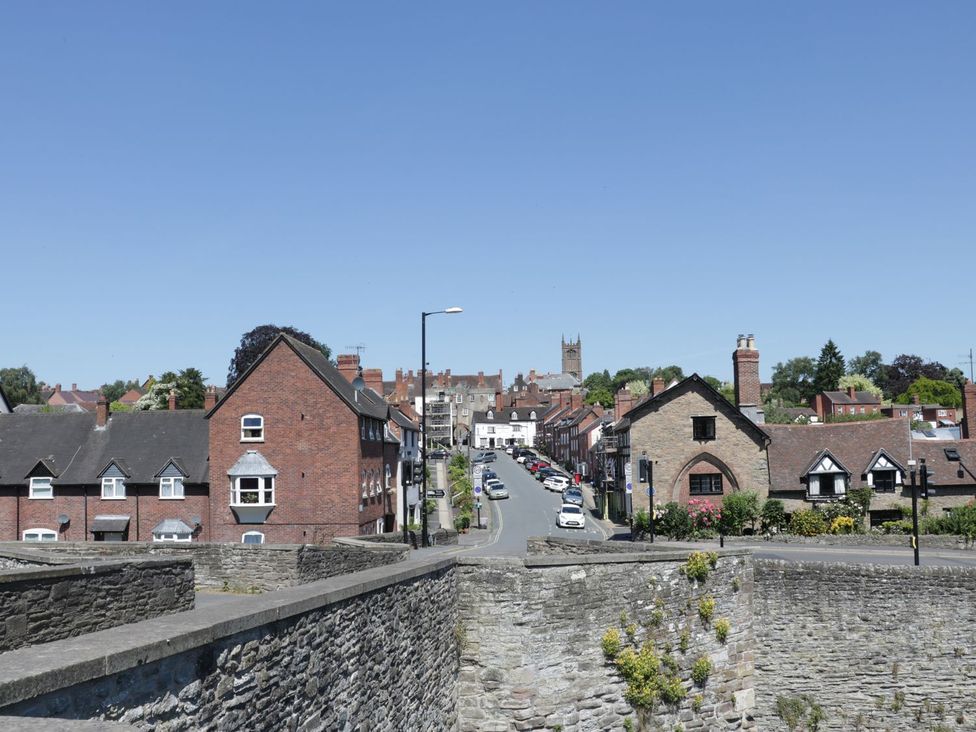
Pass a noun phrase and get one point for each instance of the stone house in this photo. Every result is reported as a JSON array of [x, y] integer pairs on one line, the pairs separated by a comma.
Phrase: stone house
[[297, 454]]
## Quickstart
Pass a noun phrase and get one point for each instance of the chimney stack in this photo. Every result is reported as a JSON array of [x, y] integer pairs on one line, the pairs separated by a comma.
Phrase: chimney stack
[[852, 392], [657, 386], [348, 365], [576, 400], [374, 380], [57, 388], [623, 402], [499, 401], [210, 398], [531, 376], [915, 399], [101, 411], [172, 400], [481, 378], [74, 387], [745, 367], [969, 410]]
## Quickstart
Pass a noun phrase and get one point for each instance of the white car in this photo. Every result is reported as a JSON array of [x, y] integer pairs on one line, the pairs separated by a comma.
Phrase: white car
[[509, 450], [489, 483], [557, 483], [569, 516]]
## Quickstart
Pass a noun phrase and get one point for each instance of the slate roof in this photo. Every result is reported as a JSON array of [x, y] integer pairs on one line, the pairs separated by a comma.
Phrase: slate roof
[[370, 406], [556, 382], [5, 406], [860, 397], [25, 439], [792, 448], [504, 416], [141, 444], [946, 472], [403, 420]]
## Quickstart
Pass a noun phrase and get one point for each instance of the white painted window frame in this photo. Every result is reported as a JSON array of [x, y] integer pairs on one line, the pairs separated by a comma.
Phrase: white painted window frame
[[40, 532], [33, 490], [173, 483], [252, 533], [245, 437], [236, 490], [114, 494]]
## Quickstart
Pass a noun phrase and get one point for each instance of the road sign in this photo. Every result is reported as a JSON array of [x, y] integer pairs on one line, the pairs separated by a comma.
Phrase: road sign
[[628, 478], [477, 489]]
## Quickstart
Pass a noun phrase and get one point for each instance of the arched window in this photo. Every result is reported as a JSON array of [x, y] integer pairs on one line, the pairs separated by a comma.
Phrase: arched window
[[491, 414], [252, 428], [252, 537], [514, 415], [532, 414]]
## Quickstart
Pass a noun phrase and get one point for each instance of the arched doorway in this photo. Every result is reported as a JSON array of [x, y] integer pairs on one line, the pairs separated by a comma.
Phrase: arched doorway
[[704, 476]]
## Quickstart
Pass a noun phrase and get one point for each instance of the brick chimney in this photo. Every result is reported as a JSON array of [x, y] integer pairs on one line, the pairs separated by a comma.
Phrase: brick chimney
[[576, 400], [657, 386], [969, 411], [74, 387], [481, 379], [915, 399], [623, 402], [210, 398], [348, 365], [499, 401], [57, 388], [447, 378], [101, 411], [374, 380], [172, 400], [745, 365], [852, 392], [531, 376]]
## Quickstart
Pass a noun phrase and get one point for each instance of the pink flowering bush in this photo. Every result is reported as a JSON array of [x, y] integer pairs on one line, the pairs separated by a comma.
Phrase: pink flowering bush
[[705, 515]]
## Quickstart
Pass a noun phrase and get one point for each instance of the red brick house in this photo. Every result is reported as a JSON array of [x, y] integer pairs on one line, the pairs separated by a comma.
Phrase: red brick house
[[936, 414], [297, 455], [846, 403]]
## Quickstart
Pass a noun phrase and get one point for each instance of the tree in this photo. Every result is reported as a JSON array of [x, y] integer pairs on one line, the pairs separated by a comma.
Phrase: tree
[[622, 377], [906, 369], [871, 365], [637, 389], [860, 382], [668, 373], [188, 384], [932, 391], [114, 391], [255, 341], [598, 380], [599, 395], [793, 381], [20, 386], [830, 367], [725, 388]]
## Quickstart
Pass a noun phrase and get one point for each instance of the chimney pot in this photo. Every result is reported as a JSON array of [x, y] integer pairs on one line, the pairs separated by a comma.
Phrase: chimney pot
[[745, 367], [172, 400], [210, 398], [657, 386]]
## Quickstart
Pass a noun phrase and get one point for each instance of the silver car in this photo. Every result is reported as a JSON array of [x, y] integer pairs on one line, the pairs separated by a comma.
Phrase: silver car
[[496, 491]]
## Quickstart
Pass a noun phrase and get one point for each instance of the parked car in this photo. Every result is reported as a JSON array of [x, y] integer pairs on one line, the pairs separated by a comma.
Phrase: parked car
[[489, 457], [439, 455], [510, 449], [538, 465], [542, 473], [496, 491], [525, 456], [556, 482], [570, 516], [574, 496], [487, 475]]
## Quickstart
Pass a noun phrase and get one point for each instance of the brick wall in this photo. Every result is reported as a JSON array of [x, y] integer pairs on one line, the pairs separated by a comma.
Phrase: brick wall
[[40, 605], [876, 647], [312, 438]]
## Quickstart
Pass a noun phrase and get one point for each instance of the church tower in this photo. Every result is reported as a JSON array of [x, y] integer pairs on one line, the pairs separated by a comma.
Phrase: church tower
[[573, 357]]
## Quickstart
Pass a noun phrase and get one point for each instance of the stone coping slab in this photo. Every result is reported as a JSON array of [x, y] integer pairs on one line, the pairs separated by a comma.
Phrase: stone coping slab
[[82, 567], [47, 667], [37, 557], [41, 724]]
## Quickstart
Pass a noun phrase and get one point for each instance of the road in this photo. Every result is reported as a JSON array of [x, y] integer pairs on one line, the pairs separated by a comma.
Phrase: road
[[531, 511]]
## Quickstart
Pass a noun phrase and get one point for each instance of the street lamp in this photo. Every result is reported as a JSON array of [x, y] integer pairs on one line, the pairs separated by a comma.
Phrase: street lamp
[[425, 541]]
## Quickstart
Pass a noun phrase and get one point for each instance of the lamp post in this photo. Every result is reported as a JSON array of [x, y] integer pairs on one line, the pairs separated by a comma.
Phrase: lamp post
[[423, 417], [911, 469]]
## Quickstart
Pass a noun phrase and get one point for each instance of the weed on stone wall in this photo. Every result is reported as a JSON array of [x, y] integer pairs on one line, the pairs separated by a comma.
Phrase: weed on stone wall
[[800, 713]]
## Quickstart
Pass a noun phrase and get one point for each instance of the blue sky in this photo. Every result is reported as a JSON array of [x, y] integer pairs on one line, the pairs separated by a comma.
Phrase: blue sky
[[657, 178]]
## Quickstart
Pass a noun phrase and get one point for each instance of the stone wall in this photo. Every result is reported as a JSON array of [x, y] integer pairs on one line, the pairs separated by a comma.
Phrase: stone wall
[[925, 541], [48, 604], [879, 648], [245, 567], [373, 651], [532, 632]]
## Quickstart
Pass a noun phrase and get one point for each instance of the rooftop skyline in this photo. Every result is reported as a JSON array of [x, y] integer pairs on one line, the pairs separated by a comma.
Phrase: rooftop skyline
[[657, 178]]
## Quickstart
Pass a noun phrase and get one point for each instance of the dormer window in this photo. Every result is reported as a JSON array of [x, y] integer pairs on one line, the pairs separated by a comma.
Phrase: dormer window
[[113, 489], [490, 415], [252, 428], [514, 415], [41, 488], [171, 488], [532, 415]]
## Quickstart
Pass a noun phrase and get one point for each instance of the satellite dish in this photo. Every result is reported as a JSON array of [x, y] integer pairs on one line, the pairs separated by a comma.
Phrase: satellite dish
[[195, 520], [63, 519]]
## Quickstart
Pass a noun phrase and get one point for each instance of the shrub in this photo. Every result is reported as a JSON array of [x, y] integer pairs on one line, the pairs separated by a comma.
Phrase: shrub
[[799, 712], [807, 523], [705, 516], [842, 525], [773, 515], [674, 521], [896, 527], [642, 523], [739, 510], [699, 564], [701, 670], [706, 608], [844, 507], [612, 643], [722, 628]]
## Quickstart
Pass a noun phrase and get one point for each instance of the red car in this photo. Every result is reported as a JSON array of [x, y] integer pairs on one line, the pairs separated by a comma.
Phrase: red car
[[538, 464]]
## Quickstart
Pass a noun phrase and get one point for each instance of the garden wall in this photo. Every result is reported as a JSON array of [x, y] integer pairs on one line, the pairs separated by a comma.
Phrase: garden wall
[[877, 647], [376, 650], [532, 630], [925, 541], [39, 605], [243, 567]]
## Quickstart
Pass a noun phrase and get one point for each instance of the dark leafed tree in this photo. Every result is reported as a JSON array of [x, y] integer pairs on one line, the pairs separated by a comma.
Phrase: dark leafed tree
[[871, 365], [905, 369], [20, 386], [191, 389], [598, 380], [830, 367], [793, 381], [256, 340], [668, 373]]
